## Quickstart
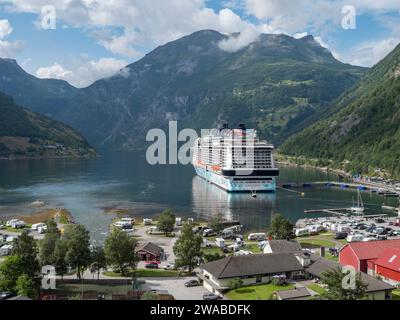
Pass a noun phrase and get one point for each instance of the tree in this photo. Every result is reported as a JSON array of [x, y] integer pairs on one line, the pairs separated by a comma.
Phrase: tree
[[25, 286], [52, 227], [281, 228], [166, 222], [59, 257], [337, 291], [217, 223], [46, 248], [98, 259], [188, 248], [25, 247], [235, 284], [78, 248], [119, 250], [149, 296], [10, 270]]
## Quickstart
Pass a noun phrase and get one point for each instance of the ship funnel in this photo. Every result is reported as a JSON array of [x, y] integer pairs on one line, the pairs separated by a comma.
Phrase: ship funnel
[[224, 126]]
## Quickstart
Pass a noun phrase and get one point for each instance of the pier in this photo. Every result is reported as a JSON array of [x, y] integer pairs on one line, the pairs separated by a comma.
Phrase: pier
[[383, 190]]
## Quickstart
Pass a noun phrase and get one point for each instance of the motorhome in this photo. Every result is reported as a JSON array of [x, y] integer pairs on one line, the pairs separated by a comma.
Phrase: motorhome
[[302, 232], [355, 238], [128, 220], [220, 242], [343, 228], [35, 226], [123, 224], [227, 233], [147, 222], [6, 250], [257, 236]]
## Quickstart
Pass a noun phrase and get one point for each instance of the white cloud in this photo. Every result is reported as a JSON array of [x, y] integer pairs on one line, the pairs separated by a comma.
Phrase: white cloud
[[8, 49], [141, 25], [237, 42], [133, 27], [370, 53], [5, 28], [84, 71]]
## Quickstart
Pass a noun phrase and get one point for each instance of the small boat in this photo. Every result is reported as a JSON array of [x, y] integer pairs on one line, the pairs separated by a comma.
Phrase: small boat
[[37, 204], [359, 208]]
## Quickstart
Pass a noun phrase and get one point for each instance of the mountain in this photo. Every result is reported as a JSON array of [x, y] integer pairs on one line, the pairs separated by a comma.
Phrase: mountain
[[24, 133], [277, 84], [363, 132], [45, 96]]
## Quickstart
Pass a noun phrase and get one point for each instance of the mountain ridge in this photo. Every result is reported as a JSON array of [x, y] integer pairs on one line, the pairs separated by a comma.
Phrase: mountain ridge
[[362, 132], [276, 84], [25, 134]]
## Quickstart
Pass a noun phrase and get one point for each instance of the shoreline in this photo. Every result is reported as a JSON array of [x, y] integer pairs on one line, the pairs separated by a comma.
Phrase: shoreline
[[42, 216], [287, 162]]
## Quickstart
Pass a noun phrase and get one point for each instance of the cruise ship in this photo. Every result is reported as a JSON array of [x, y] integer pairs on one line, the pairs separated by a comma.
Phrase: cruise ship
[[236, 160]]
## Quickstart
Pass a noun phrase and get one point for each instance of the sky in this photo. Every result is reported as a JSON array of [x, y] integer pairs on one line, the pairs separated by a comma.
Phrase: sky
[[82, 41]]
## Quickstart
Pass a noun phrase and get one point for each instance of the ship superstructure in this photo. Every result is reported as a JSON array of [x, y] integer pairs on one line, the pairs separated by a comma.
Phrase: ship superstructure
[[236, 160]]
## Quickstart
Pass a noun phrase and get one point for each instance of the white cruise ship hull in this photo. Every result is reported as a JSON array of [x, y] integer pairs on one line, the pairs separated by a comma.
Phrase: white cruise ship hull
[[231, 185]]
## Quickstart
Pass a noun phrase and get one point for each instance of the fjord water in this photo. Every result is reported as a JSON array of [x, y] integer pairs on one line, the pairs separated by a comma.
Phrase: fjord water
[[89, 188]]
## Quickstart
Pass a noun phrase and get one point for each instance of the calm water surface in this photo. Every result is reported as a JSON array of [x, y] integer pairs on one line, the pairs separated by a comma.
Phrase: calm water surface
[[126, 181]]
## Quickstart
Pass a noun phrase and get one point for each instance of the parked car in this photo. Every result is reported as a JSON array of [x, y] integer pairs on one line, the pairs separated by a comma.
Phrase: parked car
[[151, 265], [169, 266], [379, 220], [211, 296], [341, 235], [381, 237], [192, 283]]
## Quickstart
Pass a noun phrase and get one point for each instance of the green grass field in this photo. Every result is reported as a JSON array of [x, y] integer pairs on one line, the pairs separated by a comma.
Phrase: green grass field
[[258, 292], [143, 273], [316, 288], [396, 294]]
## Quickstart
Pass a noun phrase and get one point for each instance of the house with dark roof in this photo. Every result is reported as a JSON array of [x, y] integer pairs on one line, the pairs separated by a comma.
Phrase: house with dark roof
[[261, 268], [150, 252], [251, 269], [376, 289], [294, 294], [282, 246]]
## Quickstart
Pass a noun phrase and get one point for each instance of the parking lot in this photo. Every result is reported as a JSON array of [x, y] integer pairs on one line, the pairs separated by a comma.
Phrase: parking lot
[[176, 287], [359, 228]]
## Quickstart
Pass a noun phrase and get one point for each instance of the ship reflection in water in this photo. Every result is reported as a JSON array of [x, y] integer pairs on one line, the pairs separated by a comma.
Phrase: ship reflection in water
[[208, 200]]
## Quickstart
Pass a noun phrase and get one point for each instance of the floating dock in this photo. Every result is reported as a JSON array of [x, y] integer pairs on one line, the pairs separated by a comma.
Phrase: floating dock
[[383, 190]]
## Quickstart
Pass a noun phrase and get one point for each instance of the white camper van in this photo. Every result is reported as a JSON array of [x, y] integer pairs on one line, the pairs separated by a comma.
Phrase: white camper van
[[302, 232], [355, 238], [257, 236]]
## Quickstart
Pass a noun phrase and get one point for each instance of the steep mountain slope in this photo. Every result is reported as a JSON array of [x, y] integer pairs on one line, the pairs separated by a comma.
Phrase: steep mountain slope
[[45, 96], [24, 133], [277, 84], [364, 133]]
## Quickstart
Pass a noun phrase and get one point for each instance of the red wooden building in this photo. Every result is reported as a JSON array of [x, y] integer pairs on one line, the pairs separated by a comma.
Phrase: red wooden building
[[374, 257], [387, 266], [150, 252]]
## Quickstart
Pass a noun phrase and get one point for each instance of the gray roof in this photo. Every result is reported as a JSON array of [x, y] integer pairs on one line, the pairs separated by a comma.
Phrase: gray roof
[[251, 265], [320, 265], [294, 293], [284, 246], [151, 248]]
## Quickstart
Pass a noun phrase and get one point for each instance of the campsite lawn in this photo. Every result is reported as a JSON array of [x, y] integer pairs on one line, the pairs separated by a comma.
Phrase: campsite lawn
[[143, 273], [316, 288], [258, 292]]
